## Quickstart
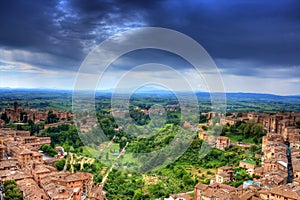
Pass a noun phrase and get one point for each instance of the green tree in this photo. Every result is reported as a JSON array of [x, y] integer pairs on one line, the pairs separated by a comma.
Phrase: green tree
[[298, 124], [47, 149], [240, 114], [106, 156], [11, 190], [60, 164], [122, 143], [5, 117], [138, 195], [51, 118]]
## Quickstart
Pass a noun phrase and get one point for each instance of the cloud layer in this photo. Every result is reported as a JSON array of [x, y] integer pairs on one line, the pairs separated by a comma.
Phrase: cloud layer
[[251, 39]]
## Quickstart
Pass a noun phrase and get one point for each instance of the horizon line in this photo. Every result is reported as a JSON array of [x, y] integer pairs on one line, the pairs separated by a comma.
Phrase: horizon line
[[147, 91]]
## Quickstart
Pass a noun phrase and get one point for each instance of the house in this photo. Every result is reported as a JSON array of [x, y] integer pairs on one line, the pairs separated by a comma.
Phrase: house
[[274, 178], [78, 183], [214, 191], [222, 142], [60, 192], [9, 165], [203, 135], [31, 190], [247, 164], [284, 193], [41, 170], [224, 174]]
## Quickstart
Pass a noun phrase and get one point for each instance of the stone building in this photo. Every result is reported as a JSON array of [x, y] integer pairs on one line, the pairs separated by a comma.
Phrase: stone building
[[222, 142], [214, 191], [224, 174], [247, 164]]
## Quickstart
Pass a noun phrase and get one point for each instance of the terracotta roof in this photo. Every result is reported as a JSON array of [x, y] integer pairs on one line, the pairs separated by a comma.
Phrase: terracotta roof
[[60, 192], [78, 176], [20, 174], [182, 195], [223, 186], [31, 190], [4, 173], [53, 177], [219, 194], [223, 174], [248, 161], [8, 163], [285, 192], [36, 154], [264, 191], [225, 167], [259, 169], [41, 169], [201, 186], [247, 195], [26, 151]]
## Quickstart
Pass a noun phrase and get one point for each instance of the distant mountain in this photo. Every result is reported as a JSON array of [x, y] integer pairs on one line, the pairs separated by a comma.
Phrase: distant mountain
[[260, 96], [156, 91]]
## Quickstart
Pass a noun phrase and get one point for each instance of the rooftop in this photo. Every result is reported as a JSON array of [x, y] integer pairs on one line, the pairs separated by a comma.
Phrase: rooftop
[[249, 161]]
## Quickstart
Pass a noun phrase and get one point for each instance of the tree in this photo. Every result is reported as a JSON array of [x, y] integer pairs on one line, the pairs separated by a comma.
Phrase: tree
[[202, 119], [19, 127], [122, 143], [48, 150], [138, 195], [240, 114], [107, 157], [23, 117], [5, 117], [98, 178], [60, 164], [257, 129], [51, 118], [298, 124], [33, 128], [11, 190]]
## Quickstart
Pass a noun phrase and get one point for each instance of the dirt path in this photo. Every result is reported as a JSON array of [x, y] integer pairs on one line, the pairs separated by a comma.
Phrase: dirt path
[[71, 162], [112, 166]]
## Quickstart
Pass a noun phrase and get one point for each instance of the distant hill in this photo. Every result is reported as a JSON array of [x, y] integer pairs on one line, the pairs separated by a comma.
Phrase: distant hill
[[156, 92]]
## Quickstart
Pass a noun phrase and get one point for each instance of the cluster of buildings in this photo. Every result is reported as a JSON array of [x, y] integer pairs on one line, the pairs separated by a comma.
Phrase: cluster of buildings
[[88, 124], [34, 172], [282, 123], [21, 146], [220, 142], [250, 190], [18, 114], [278, 177], [21, 160]]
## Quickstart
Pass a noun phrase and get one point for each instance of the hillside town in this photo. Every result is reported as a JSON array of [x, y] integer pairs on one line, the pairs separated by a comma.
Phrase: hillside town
[[277, 176], [34, 171]]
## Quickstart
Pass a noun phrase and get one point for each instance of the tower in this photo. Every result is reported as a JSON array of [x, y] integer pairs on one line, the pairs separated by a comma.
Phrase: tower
[[290, 164], [15, 106]]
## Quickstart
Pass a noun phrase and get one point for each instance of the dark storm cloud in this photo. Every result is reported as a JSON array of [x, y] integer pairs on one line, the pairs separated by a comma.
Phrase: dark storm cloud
[[61, 30], [257, 34], [31, 26], [267, 33]]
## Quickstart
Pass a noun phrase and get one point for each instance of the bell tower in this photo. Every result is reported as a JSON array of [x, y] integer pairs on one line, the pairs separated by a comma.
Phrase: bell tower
[[15, 106]]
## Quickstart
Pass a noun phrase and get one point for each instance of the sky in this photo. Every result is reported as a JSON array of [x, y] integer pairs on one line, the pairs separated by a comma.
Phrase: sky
[[255, 44]]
